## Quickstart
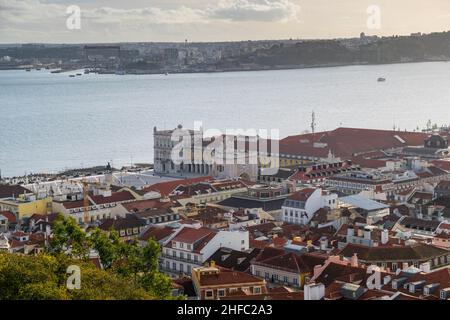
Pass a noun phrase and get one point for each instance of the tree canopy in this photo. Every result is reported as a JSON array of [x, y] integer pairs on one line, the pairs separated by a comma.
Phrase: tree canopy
[[130, 270]]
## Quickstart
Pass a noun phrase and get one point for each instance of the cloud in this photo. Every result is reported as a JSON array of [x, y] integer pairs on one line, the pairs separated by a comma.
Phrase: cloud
[[28, 20], [256, 10], [24, 11]]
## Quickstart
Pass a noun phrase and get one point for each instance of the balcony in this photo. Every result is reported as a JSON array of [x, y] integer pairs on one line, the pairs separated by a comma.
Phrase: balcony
[[177, 258]]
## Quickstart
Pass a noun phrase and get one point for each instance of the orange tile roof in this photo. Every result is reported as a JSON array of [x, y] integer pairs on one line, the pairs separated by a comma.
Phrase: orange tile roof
[[345, 142], [166, 188]]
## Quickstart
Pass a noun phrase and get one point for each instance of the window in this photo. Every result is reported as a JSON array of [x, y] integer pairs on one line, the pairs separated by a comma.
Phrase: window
[[189, 269], [195, 258], [189, 256], [296, 281], [209, 294], [266, 275], [221, 292], [174, 266], [256, 290], [285, 279]]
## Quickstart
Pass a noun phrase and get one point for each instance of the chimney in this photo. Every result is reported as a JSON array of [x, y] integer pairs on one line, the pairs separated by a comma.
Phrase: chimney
[[323, 243], [314, 291], [317, 270], [350, 231], [367, 233], [354, 260], [360, 232], [425, 267], [384, 236]]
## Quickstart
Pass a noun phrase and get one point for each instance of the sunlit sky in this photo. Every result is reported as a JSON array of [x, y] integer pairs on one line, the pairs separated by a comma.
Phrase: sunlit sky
[[214, 20]]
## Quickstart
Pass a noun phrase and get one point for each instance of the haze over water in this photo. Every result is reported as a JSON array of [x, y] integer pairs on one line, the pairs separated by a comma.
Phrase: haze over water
[[50, 122]]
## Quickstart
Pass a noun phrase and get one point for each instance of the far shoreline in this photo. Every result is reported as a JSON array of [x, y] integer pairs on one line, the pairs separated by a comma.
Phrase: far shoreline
[[277, 68]]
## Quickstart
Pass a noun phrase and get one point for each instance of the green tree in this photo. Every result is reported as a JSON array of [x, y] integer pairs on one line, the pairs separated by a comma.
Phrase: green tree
[[69, 238], [43, 277], [107, 246], [128, 261]]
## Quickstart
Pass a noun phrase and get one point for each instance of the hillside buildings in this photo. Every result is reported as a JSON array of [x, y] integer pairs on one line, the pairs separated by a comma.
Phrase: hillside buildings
[[340, 204]]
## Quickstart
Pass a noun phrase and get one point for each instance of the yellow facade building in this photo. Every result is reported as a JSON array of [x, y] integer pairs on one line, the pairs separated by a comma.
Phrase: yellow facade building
[[24, 208]]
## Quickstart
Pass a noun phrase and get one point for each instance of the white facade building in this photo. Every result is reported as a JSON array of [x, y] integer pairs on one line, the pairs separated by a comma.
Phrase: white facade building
[[191, 247], [299, 208]]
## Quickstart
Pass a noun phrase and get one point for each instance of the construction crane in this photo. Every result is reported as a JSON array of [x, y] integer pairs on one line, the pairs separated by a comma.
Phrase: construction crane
[[313, 122], [86, 185]]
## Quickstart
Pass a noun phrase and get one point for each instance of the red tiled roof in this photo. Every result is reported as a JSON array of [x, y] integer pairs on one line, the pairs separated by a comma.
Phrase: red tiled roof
[[288, 261], [225, 277], [279, 259], [369, 163], [423, 195], [418, 251], [9, 215], [191, 235], [145, 205], [227, 185], [443, 164], [444, 184], [115, 197], [156, 233], [9, 191], [166, 188], [258, 244], [302, 195], [100, 199], [345, 142], [74, 204]]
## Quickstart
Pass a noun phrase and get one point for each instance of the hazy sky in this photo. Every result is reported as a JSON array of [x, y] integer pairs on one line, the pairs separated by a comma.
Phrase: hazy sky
[[215, 20]]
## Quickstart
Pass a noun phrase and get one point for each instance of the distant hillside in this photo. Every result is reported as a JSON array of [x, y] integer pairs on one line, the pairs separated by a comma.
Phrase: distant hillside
[[432, 47], [251, 55]]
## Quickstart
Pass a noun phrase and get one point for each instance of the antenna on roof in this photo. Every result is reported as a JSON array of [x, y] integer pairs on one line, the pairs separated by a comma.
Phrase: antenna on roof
[[313, 122]]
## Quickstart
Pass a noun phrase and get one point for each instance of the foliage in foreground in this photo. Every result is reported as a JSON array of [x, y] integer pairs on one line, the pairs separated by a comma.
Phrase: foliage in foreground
[[43, 277], [130, 270]]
